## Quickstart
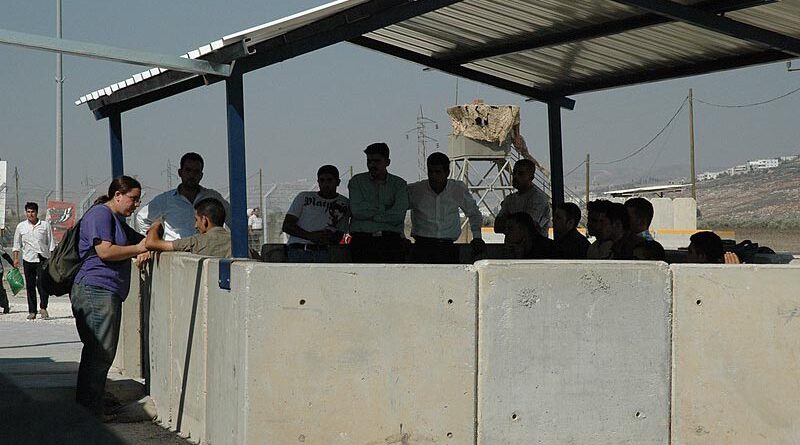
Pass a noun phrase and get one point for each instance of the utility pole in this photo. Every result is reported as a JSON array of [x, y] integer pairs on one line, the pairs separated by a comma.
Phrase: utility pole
[[422, 140], [691, 145], [16, 184], [587, 183], [59, 113], [261, 189]]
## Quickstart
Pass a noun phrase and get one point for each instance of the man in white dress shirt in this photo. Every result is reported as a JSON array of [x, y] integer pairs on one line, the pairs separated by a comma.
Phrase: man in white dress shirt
[[435, 219], [175, 208], [34, 238]]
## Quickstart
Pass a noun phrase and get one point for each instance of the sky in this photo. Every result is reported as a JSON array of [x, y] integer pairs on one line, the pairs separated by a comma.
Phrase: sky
[[325, 107]]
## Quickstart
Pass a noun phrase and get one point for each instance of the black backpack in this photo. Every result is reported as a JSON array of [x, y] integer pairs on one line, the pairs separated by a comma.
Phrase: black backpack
[[64, 263]]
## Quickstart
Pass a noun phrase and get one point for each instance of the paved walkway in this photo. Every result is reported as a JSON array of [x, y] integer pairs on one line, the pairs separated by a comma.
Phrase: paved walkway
[[38, 368]]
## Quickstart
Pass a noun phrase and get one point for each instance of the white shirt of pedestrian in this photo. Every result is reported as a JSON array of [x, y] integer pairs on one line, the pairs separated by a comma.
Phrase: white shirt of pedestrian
[[436, 215], [255, 222], [34, 240], [176, 213], [315, 213]]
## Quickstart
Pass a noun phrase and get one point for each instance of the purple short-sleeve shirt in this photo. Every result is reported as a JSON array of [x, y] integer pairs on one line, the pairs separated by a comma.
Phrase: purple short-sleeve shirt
[[100, 224]]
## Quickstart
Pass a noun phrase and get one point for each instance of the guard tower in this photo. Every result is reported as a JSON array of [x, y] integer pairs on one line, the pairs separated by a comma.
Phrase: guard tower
[[482, 154]]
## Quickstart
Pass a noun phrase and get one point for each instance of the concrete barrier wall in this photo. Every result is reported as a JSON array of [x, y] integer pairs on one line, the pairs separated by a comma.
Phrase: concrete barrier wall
[[736, 341], [360, 354], [128, 360], [535, 352], [573, 352]]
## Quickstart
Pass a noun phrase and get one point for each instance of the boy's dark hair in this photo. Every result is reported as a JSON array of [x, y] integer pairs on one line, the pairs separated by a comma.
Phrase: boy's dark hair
[[653, 250], [709, 244], [617, 212], [440, 159], [642, 208], [31, 206], [192, 156], [378, 148], [328, 169], [572, 210], [212, 209], [599, 206], [526, 163], [525, 220]]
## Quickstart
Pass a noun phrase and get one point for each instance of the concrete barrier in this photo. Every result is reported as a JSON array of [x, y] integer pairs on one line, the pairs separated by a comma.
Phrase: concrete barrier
[[684, 213], [736, 341], [160, 339], [187, 321], [358, 354], [663, 216], [573, 352], [128, 360]]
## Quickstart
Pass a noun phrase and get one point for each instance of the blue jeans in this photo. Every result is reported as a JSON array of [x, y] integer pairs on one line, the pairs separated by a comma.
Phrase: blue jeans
[[98, 313], [307, 256]]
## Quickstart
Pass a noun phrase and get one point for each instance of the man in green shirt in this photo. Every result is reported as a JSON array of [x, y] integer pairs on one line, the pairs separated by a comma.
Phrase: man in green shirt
[[378, 204], [213, 239]]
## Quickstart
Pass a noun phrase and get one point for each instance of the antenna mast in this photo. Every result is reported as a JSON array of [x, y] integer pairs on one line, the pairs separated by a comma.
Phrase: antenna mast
[[422, 140]]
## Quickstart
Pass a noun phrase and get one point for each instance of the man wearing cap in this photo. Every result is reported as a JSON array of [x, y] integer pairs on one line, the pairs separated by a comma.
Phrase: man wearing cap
[[378, 203]]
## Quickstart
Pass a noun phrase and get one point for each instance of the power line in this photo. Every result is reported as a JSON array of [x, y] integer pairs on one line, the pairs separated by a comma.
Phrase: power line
[[577, 167], [754, 104], [642, 148]]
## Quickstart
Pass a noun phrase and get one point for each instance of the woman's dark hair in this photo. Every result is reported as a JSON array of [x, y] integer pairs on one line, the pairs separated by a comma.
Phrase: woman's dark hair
[[122, 184]]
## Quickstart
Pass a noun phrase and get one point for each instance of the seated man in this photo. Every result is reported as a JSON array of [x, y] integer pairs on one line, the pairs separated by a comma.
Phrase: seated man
[[435, 221], [378, 203], [569, 243], [525, 239], [528, 198], [599, 226], [649, 251], [707, 248], [640, 215], [213, 239], [624, 240], [316, 220]]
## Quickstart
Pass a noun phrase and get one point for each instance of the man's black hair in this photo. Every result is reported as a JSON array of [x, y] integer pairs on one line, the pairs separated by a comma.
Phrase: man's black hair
[[213, 209], [378, 148], [526, 163], [572, 210], [440, 159], [31, 206], [192, 156], [710, 245], [653, 250], [642, 208], [599, 206], [328, 169]]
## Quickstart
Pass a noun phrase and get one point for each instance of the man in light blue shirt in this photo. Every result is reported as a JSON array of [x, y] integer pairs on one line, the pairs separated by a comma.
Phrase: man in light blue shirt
[[378, 203]]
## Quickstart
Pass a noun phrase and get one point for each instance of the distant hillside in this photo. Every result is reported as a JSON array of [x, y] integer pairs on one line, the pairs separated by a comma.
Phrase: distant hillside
[[763, 199]]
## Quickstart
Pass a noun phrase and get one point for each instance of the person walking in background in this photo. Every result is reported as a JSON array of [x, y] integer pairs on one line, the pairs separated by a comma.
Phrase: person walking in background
[[211, 240], [255, 226], [378, 201], [528, 198], [3, 295], [435, 221], [175, 208], [107, 243], [316, 220], [34, 239]]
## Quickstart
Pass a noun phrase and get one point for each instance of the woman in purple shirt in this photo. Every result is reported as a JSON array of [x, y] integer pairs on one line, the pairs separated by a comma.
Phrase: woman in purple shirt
[[107, 245]]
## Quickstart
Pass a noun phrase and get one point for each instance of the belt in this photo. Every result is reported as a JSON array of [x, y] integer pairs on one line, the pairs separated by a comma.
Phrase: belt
[[425, 239], [308, 247], [378, 234]]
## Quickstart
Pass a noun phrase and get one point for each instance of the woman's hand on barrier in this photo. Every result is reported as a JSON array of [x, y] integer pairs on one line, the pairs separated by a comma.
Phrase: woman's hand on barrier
[[143, 259]]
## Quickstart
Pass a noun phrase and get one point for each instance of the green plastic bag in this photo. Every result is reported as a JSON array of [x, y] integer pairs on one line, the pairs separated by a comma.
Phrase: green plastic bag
[[15, 281]]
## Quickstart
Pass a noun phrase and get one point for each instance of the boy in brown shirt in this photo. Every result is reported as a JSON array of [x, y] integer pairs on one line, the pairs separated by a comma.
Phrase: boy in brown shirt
[[212, 239]]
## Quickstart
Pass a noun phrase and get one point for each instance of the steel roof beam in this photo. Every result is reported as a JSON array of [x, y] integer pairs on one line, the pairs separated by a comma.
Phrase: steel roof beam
[[719, 24], [95, 51], [467, 73], [672, 72], [338, 27], [536, 40]]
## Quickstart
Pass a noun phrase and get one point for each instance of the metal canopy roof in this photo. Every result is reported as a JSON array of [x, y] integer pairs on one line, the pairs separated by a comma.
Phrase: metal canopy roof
[[542, 49]]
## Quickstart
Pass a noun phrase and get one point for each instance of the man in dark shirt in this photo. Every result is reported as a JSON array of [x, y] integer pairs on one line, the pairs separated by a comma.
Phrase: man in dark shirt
[[569, 243]]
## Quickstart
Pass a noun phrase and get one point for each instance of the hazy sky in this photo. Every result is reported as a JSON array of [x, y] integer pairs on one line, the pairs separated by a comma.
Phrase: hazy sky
[[326, 106]]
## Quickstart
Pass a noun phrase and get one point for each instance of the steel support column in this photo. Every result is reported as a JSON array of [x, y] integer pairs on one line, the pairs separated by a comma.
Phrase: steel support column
[[556, 159], [115, 134], [237, 176]]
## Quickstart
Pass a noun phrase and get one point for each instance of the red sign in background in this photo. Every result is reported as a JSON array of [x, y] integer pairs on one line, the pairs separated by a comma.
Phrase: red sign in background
[[61, 216]]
